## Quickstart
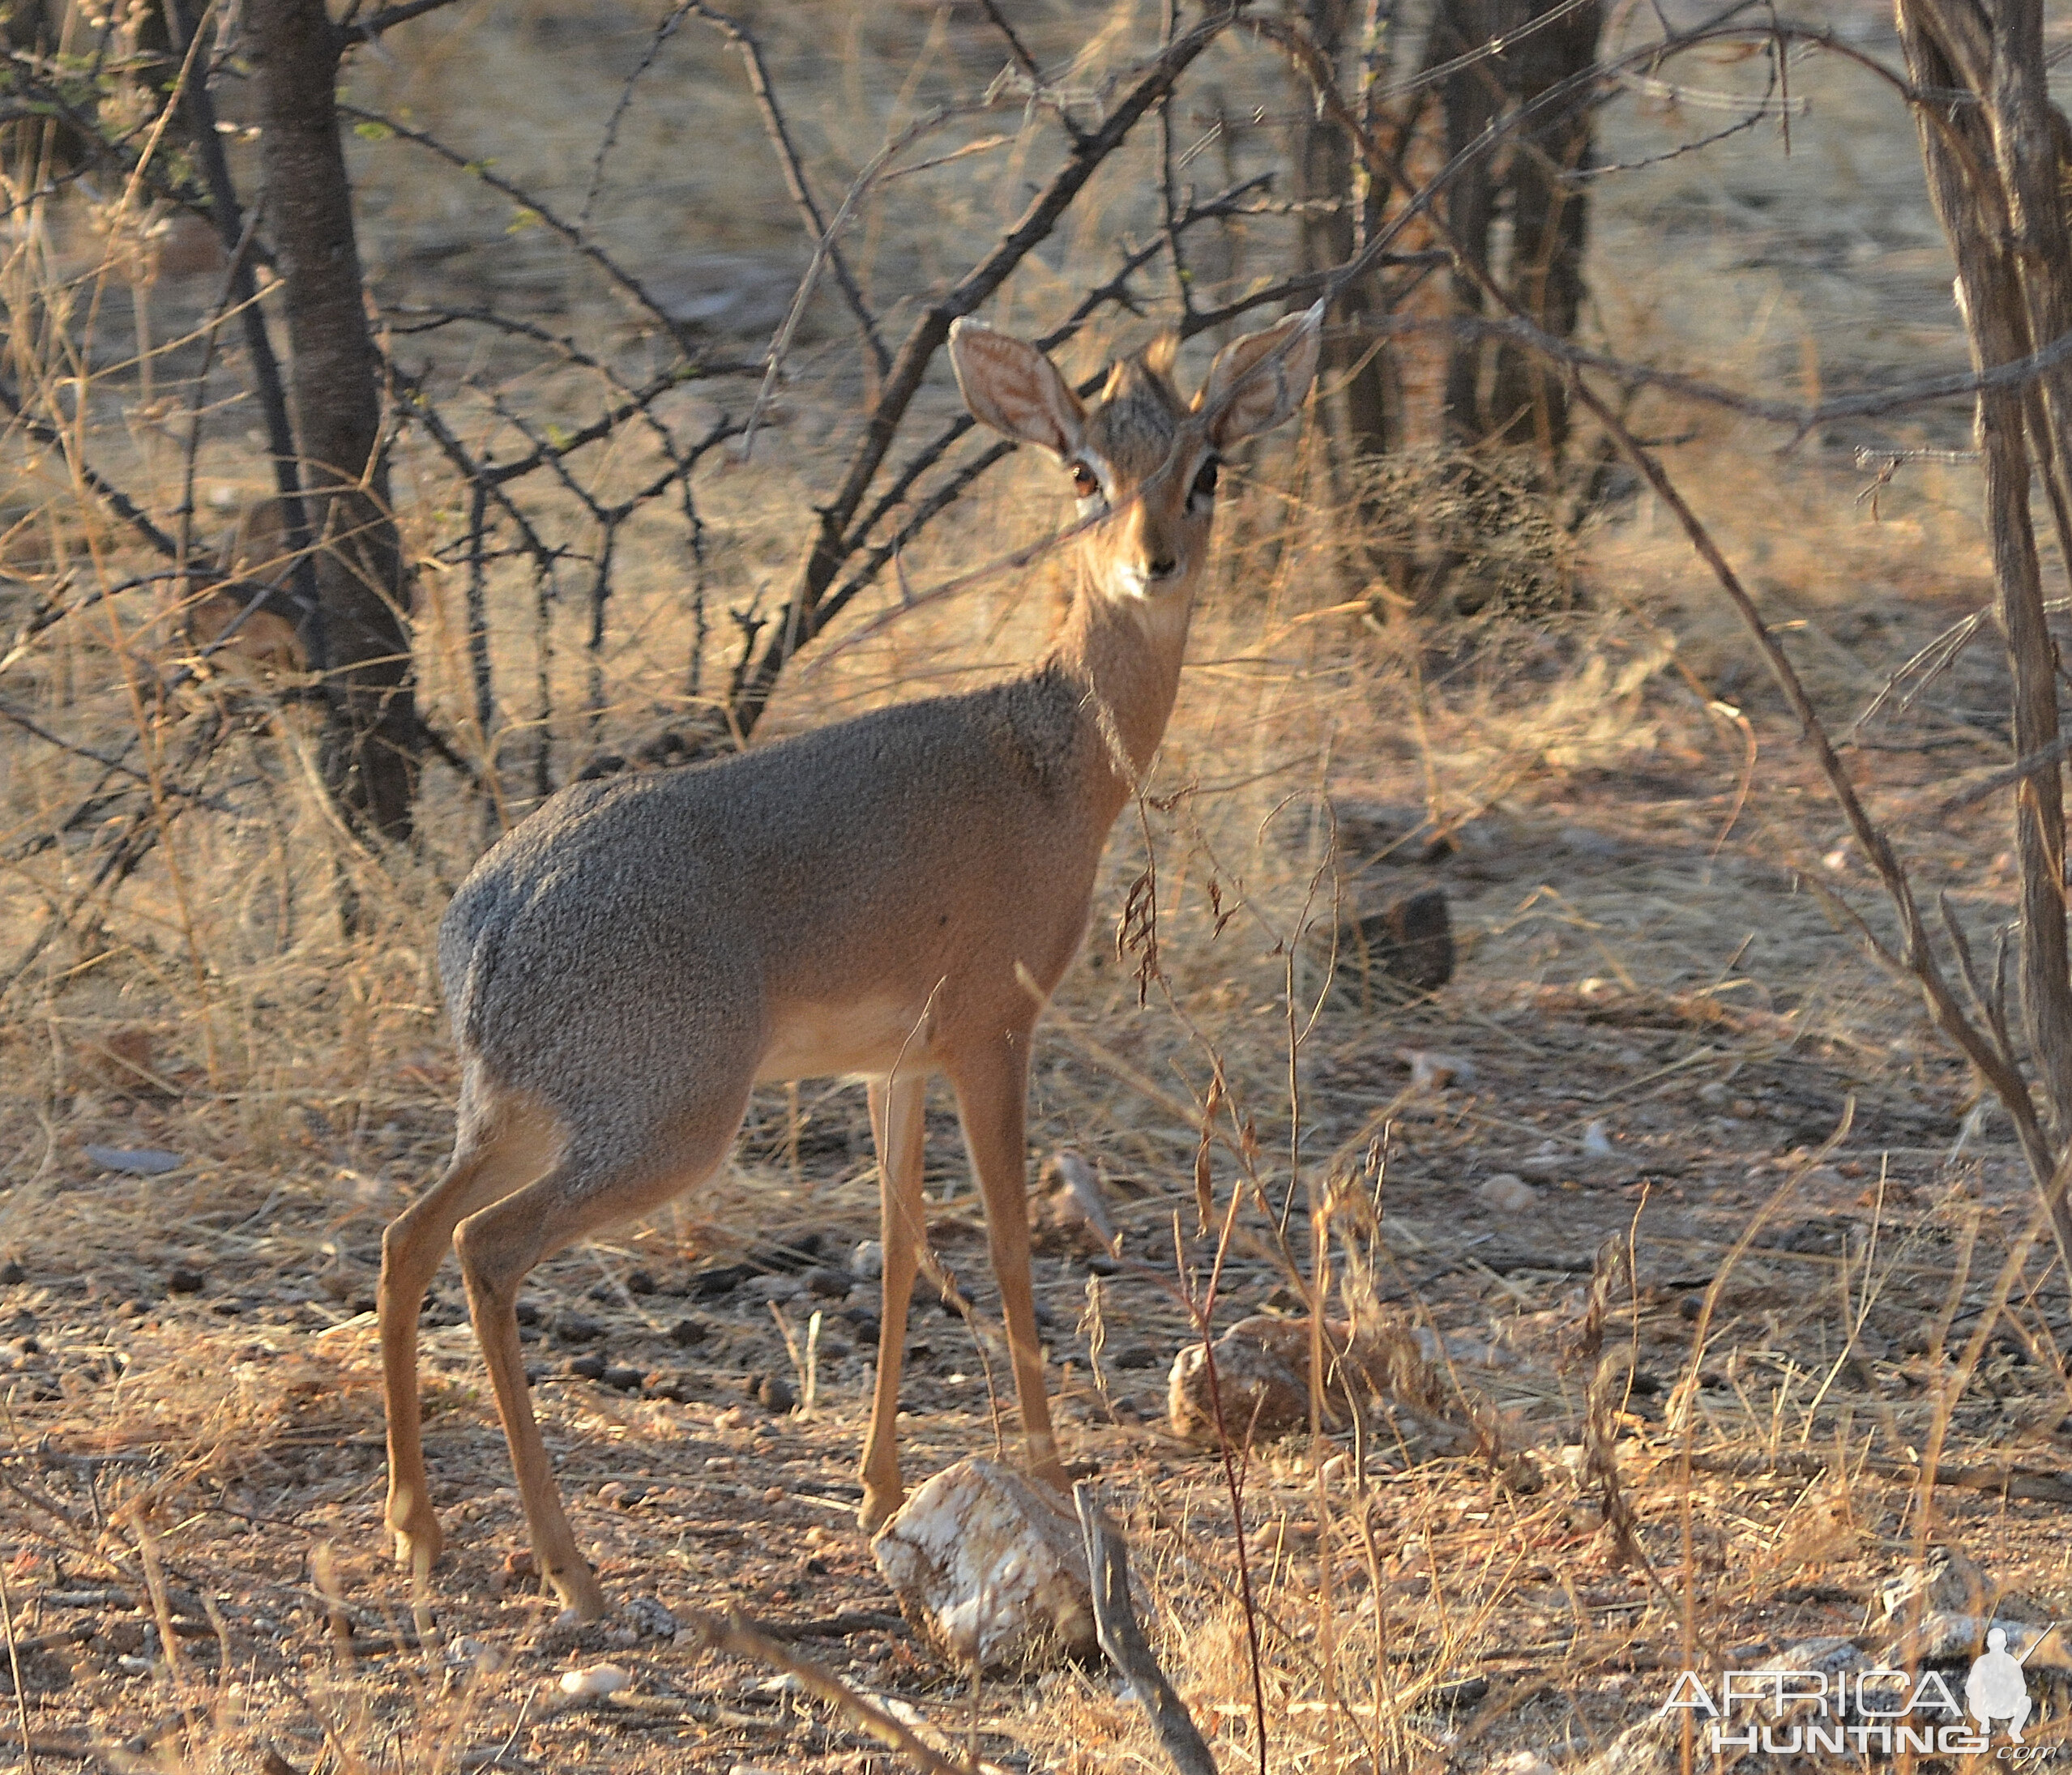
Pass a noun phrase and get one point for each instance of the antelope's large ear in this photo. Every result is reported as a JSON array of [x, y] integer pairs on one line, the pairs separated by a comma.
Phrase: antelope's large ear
[[1011, 386], [1259, 381]]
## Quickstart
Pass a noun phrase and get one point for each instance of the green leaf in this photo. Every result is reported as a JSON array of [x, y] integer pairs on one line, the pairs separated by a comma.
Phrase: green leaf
[[522, 219], [372, 131]]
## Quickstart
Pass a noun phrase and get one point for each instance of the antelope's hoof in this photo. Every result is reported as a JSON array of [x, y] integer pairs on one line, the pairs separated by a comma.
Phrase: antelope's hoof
[[418, 1547], [878, 1508], [582, 1596]]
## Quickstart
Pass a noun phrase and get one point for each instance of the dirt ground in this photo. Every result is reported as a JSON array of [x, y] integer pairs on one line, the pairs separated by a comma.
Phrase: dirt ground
[[1848, 1344]]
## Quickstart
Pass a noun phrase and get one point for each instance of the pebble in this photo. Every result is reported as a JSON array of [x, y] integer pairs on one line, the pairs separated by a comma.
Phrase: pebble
[[651, 1616], [868, 1260], [828, 1283], [594, 1683], [183, 1281], [1597, 1142], [775, 1394], [587, 1367], [12, 1272], [1134, 1355], [639, 1281], [1508, 1193], [625, 1378], [687, 1332], [1431, 1070], [576, 1328]]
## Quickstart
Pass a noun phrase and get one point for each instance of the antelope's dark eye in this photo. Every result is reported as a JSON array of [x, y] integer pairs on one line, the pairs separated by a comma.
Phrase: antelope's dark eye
[[1205, 481], [1085, 482]]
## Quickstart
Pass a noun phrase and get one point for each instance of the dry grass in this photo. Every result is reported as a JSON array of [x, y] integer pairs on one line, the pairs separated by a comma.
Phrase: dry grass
[[1821, 1226]]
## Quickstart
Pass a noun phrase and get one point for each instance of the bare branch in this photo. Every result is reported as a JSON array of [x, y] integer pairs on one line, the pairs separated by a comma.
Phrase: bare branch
[[366, 30], [780, 138]]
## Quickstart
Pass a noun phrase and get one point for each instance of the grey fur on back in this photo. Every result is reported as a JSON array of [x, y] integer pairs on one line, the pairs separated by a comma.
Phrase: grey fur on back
[[566, 954]]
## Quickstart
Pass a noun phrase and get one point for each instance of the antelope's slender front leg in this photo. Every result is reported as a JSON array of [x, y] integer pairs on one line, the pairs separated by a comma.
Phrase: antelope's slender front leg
[[992, 1100], [898, 1124]]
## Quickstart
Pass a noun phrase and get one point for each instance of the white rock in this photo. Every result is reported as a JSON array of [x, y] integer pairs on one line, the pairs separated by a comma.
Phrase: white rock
[[1431, 1070], [986, 1564], [1508, 1193], [594, 1683], [868, 1260], [1597, 1142]]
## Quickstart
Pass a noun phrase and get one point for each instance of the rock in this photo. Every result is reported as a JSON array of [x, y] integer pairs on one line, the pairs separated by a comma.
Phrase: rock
[[1431, 1070], [1596, 1143], [586, 1367], [1948, 1636], [1944, 1582], [1652, 1746], [1068, 1212], [12, 1272], [1508, 1194], [624, 1378], [775, 1393], [1408, 944], [867, 1261], [1263, 1374], [1262, 1370], [595, 1684], [181, 1280], [986, 1565], [687, 1332], [825, 1282], [722, 1279], [650, 1615], [639, 1281], [576, 1328], [137, 1161]]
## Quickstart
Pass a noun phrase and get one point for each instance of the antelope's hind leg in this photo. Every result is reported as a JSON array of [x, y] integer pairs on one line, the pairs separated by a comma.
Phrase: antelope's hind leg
[[501, 1242], [491, 1159]]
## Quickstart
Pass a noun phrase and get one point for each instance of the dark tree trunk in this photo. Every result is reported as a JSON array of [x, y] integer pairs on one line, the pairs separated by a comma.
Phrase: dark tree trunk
[[1997, 168], [1505, 395], [1327, 173], [360, 643]]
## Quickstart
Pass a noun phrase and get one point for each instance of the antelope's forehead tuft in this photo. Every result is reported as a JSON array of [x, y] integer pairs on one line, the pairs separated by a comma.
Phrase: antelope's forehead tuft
[[1138, 415]]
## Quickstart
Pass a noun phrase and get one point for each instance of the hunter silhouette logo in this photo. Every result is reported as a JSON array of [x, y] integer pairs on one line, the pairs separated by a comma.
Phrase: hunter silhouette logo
[[1997, 1687]]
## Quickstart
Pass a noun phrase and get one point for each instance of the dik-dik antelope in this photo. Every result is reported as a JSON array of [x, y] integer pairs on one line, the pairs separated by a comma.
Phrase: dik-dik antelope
[[895, 896]]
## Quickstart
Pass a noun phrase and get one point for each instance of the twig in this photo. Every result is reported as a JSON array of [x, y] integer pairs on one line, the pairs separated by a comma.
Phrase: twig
[[14, 1668], [731, 1633], [823, 255], [532, 208], [387, 18], [1115, 1621], [780, 138], [2045, 758]]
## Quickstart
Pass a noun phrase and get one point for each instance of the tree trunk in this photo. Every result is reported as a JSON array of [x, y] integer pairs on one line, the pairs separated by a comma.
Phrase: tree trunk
[[1504, 394], [361, 643], [1327, 173], [1995, 168]]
